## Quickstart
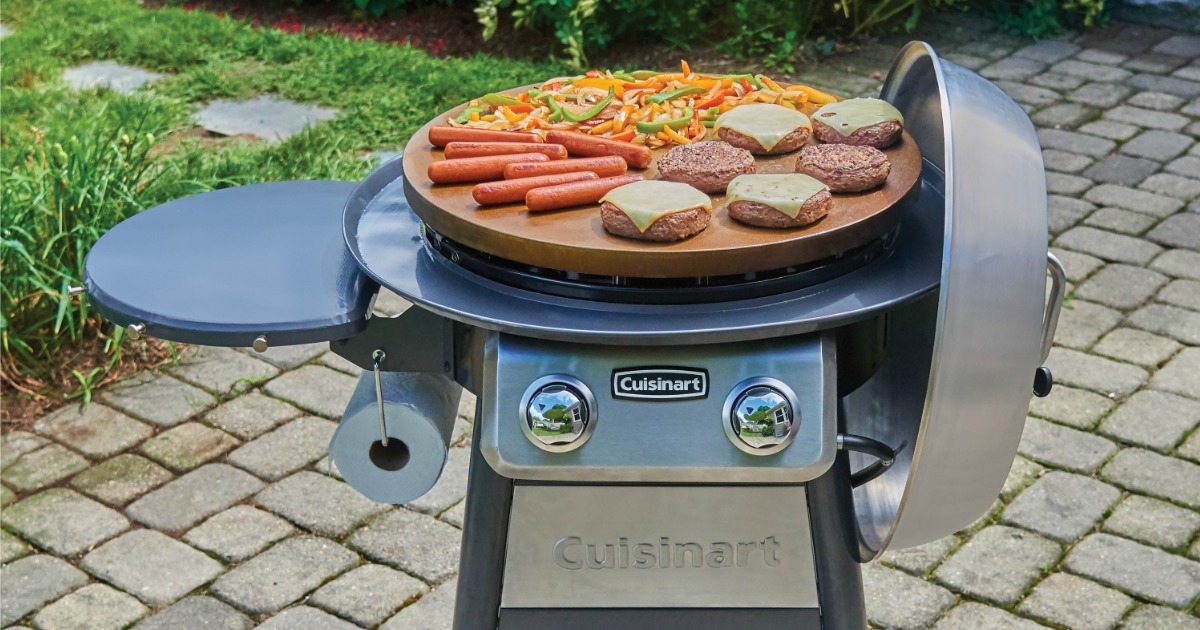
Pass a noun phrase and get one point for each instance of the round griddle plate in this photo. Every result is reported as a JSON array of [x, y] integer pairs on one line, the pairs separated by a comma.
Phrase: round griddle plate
[[575, 239]]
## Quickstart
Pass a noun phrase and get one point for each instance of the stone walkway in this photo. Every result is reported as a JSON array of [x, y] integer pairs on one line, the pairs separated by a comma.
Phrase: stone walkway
[[200, 497]]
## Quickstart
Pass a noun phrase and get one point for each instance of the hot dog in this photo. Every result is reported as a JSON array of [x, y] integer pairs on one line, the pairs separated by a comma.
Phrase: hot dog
[[575, 193], [456, 150], [607, 166], [441, 136], [638, 156], [510, 190], [477, 169]]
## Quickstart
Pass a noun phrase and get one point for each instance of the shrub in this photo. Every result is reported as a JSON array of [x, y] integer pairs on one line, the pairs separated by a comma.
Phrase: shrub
[[1042, 18]]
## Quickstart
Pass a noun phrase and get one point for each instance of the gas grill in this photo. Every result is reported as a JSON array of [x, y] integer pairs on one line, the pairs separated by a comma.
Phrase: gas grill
[[652, 450]]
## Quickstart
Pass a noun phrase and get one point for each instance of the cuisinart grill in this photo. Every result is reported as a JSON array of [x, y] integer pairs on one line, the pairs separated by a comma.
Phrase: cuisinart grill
[[698, 452]]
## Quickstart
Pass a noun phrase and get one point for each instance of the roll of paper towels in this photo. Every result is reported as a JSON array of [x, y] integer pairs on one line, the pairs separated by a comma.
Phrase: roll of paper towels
[[419, 411]]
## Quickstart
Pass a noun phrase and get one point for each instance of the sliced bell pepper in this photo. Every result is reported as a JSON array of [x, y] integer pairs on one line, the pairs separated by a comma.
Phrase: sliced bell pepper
[[624, 136], [642, 75], [683, 65], [596, 74], [674, 94], [716, 100], [499, 99], [714, 111], [473, 110], [672, 134], [765, 80], [602, 83], [624, 76], [674, 123], [589, 113], [556, 111]]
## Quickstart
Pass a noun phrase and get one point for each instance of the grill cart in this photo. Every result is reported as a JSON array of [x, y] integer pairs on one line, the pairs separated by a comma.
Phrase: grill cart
[[673, 439]]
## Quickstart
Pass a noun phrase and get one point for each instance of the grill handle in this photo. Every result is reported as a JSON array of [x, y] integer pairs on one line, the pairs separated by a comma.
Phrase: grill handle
[[1058, 287], [884, 455]]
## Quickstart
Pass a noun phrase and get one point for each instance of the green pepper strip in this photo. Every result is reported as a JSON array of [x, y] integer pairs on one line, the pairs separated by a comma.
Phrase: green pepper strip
[[589, 114], [500, 99], [677, 123], [644, 74], [466, 113], [674, 94], [750, 78], [624, 76], [708, 123], [556, 111]]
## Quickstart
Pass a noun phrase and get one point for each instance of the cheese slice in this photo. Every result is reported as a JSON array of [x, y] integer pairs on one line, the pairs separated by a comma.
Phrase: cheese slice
[[647, 201], [764, 122], [786, 193], [853, 114]]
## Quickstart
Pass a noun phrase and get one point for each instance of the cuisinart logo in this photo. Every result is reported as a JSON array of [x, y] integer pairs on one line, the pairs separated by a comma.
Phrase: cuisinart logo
[[573, 552], [659, 383]]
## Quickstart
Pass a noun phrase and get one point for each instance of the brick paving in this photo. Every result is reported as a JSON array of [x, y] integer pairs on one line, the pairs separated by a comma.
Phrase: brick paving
[[200, 497]]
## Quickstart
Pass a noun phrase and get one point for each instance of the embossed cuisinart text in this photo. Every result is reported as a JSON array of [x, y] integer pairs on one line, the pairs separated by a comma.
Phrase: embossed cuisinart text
[[571, 552]]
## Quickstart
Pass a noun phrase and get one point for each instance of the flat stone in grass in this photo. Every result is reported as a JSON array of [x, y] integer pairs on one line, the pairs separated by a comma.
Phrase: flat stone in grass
[[318, 503], [1136, 346], [121, 479], [1157, 420], [1076, 407], [316, 388], [222, 370], [1076, 603], [458, 513], [1022, 473], [1187, 166], [43, 467], [435, 610], [187, 446], [897, 600], [1148, 617], [1147, 118], [1063, 184], [973, 616], [109, 74], [63, 521], [1075, 142], [1152, 521], [95, 607], [1119, 220], [1064, 447], [1123, 286], [238, 533], [1156, 100], [194, 496], [919, 560], [1157, 475], [31, 582], [150, 566], [14, 444], [1078, 266], [251, 415], [1091, 71], [197, 612], [1061, 505], [6, 496], [1081, 323], [1064, 212], [1013, 68], [1190, 447], [11, 547], [1179, 374], [1178, 323], [1067, 115], [1180, 45], [1110, 129], [1185, 188], [1157, 145], [307, 618], [451, 487], [95, 430], [412, 542], [1107, 377], [283, 574], [159, 399], [1181, 230], [1144, 571], [265, 117], [1176, 86], [1109, 246], [369, 594], [1056, 160], [1135, 200], [998, 564], [286, 449]]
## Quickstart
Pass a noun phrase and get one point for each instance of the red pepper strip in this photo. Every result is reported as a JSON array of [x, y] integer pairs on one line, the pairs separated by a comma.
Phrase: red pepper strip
[[595, 74], [716, 100], [523, 97], [745, 84], [625, 136]]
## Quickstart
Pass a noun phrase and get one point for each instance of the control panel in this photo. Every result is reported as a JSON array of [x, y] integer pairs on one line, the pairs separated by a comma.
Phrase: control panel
[[756, 411]]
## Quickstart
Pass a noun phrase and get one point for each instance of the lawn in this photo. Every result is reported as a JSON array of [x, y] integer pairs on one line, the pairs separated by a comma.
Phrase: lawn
[[77, 162]]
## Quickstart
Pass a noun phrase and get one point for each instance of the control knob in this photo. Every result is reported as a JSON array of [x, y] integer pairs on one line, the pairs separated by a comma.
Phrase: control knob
[[761, 416], [558, 413]]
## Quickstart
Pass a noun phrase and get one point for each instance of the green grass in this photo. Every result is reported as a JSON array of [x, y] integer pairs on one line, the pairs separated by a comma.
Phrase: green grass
[[76, 163]]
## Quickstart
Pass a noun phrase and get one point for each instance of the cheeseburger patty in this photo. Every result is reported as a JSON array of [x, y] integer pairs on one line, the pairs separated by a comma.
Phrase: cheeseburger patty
[[880, 135], [671, 227], [790, 142], [844, 167], [762, 215], [707, 166]]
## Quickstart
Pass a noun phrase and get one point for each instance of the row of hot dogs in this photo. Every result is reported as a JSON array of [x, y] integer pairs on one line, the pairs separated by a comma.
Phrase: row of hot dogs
[[519, 166]]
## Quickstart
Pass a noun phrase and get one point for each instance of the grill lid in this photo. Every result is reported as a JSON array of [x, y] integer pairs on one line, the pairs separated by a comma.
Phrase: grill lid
[[224, 267]]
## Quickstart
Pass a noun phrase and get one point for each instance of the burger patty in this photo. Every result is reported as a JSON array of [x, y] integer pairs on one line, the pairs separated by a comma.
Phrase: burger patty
[[706, 166], [672, 227], [844, 167], [880, 135], [762, 215], [790, 142]]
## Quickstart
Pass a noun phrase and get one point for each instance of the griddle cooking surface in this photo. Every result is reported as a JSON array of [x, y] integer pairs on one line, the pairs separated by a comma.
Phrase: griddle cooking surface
[[575, 239]]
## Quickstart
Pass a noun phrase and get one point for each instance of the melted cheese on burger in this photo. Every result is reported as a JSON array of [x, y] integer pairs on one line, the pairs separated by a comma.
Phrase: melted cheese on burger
[[785, 193], [766, 123], [852, 114], [648, 201]]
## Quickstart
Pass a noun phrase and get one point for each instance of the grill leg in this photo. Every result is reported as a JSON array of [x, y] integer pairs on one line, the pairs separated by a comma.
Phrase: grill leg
[[485, 532], [839, 575]]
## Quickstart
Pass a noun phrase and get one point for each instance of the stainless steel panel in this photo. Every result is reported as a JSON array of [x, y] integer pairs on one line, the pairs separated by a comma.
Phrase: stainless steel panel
[[987, 326], [666, 440], [659, 547]]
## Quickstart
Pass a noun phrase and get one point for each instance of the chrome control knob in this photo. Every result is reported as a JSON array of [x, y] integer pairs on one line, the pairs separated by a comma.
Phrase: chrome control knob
[[761, 416], [558, 413]]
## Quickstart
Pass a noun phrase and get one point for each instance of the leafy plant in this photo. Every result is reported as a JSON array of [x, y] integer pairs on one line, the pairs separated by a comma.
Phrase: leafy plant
[[1042, 18]]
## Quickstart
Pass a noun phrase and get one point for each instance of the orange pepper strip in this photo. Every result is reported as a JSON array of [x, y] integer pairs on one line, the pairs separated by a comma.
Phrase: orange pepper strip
[[704, 83], [625, 136], [673, 135], [601, 128], [815, 95], [617, 85], [771, 84], [684, 66]]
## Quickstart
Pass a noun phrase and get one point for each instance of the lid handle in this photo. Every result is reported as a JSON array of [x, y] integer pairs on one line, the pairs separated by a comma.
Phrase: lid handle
[[1058, 286]]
